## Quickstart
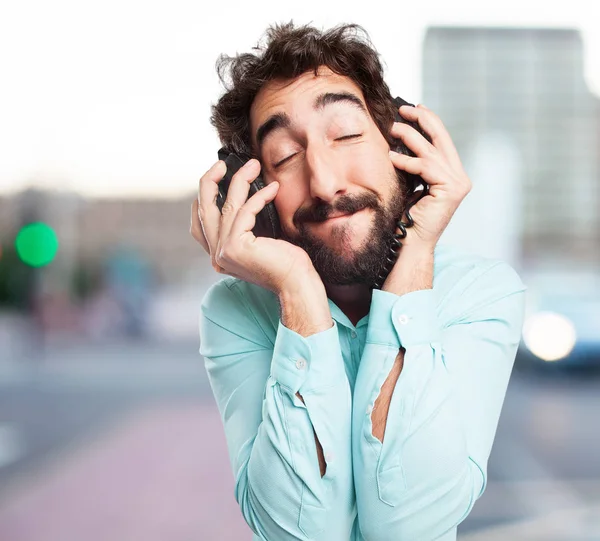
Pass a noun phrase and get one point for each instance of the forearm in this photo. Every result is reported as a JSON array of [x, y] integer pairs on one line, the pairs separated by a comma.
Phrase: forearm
[[322, 393], [459, 343], [413, 271], [382, 404], [306, 311], [417, 480], [283, 493], [255, 376], [320, 456]]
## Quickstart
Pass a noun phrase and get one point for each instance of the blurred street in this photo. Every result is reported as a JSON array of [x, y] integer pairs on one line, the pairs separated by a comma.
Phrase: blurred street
[[123, 442]]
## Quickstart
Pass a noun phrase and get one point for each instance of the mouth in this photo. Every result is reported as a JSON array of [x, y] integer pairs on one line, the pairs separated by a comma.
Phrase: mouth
[[339, 217], [336, 216]]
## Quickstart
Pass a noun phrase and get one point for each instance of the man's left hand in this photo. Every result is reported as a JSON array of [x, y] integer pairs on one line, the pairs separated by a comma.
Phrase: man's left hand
[[439, 166]]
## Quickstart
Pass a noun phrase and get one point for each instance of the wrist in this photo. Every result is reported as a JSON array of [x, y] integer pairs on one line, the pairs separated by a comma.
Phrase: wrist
[[417, 249], [304, 308], [412, 271]]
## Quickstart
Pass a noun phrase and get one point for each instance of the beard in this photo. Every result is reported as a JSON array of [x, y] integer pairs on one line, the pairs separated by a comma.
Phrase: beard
[[340, 264]]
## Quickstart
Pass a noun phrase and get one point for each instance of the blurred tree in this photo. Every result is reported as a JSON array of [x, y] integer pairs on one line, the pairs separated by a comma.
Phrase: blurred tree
[[15, 280], [87, 280]]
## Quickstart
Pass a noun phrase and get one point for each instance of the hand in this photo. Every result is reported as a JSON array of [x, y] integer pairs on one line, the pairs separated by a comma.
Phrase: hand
[[439, 166], [273, 264]]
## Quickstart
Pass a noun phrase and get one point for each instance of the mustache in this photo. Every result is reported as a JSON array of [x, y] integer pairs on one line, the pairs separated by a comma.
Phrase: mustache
[[344, 205]]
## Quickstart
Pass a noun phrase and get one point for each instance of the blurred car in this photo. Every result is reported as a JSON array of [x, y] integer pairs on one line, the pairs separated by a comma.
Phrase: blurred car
[[562, 320]]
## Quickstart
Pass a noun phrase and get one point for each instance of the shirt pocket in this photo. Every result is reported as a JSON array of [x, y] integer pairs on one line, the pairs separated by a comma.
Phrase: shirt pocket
[[313, 517], [391, 481]]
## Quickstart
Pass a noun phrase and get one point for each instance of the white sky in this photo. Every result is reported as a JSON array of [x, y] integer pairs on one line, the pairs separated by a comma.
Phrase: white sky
[[113, 98]]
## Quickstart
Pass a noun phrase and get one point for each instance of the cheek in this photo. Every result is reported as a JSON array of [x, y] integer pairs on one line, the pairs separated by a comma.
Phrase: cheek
[[371, 168], [286, 203]]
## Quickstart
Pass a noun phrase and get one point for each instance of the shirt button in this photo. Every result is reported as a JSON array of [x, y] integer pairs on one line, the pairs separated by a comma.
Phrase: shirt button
[[403, 319], [300, 364], [369, 409], [328, 457], [353, 334]]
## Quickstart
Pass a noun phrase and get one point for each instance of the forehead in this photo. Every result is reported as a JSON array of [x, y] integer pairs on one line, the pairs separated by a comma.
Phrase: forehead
[[298, 94]]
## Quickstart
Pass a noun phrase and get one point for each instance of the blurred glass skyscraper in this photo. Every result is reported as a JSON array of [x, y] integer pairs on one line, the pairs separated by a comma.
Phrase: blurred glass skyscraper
[[521, 91]]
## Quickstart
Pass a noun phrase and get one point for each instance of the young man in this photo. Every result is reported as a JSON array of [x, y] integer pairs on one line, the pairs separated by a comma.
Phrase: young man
[[351, 412]]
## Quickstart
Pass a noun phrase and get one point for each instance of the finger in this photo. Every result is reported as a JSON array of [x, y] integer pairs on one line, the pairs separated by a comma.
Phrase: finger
[[413, 139], [209, 214], [246, 216], [196, 227], [411, 165], [433, 126], [237, 194]]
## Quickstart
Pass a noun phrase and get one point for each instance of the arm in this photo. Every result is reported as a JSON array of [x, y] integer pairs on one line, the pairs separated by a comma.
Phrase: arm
[[415, 273], [299, 316], [281, 403], [437, 384]]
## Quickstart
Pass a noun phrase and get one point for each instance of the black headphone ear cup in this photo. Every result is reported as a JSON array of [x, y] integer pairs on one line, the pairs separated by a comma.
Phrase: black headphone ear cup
[[267, 220], [399, 118], [416, 186]]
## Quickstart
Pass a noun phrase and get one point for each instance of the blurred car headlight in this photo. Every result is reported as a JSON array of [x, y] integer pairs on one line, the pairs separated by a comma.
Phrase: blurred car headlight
[[549, 336]]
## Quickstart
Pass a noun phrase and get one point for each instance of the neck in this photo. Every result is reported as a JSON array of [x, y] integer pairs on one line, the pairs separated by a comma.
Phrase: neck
[[353, 300]]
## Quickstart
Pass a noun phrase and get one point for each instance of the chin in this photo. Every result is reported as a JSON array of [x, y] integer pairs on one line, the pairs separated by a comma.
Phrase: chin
[[351, 244]]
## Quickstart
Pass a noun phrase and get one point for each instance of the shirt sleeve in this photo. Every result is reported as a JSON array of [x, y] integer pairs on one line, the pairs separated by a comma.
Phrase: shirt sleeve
[[425, 477], [270, 433]]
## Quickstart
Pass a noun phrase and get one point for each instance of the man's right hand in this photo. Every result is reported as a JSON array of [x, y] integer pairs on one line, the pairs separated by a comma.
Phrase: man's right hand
[[273, 264]]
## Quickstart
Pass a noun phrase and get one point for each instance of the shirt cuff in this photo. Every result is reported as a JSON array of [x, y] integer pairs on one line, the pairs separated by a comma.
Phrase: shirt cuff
[[306, 364], [403, 320]]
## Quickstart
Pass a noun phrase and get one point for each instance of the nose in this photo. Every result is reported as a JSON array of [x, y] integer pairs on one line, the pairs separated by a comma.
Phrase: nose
[[326, 175]]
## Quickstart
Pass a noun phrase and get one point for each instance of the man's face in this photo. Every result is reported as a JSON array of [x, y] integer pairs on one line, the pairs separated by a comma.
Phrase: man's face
[[330, 159]]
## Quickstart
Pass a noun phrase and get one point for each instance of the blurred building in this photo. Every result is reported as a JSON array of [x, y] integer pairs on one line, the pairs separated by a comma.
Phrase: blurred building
[[9, 214], [157, 228], [91, 231], [124, 267], [517, 106]]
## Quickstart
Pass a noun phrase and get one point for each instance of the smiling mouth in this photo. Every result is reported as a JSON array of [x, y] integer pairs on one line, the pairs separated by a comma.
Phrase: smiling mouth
[[337, 217]]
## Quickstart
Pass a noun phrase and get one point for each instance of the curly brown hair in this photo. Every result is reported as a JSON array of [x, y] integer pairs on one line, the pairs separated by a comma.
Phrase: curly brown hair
[[288, 53]]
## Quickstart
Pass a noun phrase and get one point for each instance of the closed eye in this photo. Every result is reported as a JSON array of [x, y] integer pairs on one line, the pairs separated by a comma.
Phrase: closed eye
[[345, 137], [348, 136]]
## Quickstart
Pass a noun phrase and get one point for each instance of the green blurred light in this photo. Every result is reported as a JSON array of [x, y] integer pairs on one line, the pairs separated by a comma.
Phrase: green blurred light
[[36, 244]]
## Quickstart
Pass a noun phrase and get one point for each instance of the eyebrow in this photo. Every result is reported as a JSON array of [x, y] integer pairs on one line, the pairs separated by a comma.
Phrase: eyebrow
[[280, 121]]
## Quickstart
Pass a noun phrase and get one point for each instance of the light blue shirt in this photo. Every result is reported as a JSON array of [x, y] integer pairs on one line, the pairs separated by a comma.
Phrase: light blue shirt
[[460, 341]]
